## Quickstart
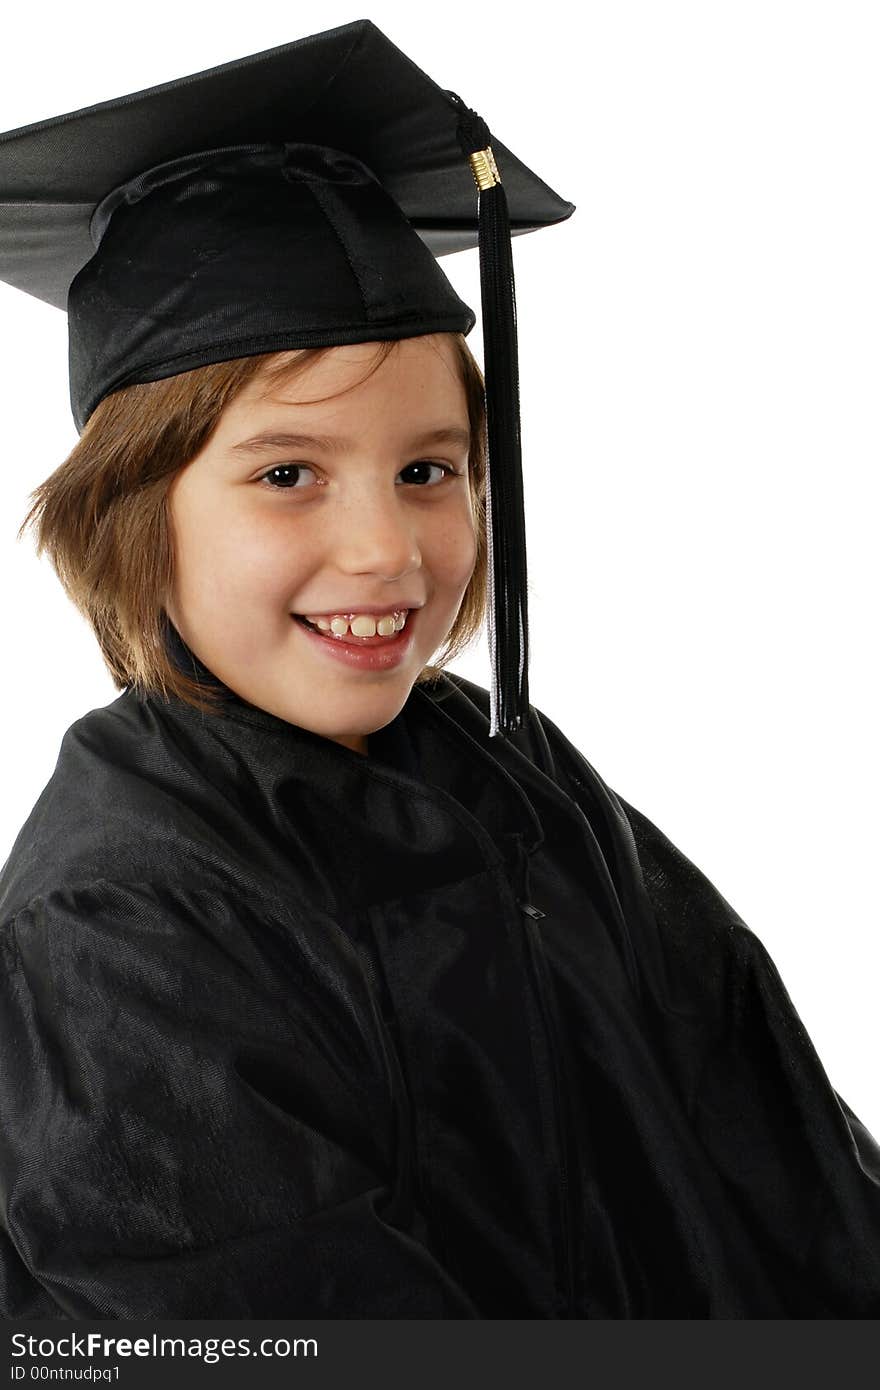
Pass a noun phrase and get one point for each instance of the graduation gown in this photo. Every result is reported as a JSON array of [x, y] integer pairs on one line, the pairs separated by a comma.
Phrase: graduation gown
[[448, 1031]]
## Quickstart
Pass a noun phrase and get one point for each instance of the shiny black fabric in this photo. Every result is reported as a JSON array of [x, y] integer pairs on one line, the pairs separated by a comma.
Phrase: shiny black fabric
[[448, 1031], [259, 248], [221, 265]]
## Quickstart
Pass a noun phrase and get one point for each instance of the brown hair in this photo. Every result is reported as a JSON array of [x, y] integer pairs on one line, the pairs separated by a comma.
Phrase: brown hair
[[101, 517]]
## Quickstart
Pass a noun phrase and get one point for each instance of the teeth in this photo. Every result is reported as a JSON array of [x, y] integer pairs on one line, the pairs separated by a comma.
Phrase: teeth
[[364, 625]]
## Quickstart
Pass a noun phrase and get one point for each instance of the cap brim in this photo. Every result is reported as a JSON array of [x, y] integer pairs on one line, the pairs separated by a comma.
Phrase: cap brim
[[349, 88]]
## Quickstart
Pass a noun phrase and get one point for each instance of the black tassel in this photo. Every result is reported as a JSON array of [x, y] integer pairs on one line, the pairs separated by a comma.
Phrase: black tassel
[[507, 577]]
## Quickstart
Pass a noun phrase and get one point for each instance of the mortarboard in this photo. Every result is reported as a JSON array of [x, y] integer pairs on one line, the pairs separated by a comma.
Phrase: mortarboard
[[298, 197]]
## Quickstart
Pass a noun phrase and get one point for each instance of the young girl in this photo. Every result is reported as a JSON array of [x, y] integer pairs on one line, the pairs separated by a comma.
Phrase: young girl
[[318, 996]]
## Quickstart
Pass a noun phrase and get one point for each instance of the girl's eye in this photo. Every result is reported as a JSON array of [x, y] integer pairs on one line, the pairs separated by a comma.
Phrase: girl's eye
[[278, 477], [448, 470], [283, 471]]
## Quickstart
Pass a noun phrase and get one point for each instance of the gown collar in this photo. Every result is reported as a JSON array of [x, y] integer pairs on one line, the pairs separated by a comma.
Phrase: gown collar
[[437, 744]]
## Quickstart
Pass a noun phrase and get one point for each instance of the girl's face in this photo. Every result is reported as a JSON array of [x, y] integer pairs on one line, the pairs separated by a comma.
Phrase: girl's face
[[372, 514]]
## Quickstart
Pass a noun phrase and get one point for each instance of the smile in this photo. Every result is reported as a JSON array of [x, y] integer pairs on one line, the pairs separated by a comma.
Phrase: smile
[[379, 652], [363, 626]]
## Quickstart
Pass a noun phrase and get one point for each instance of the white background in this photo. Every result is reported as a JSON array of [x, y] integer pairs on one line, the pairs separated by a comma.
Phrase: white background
[[699, 368]]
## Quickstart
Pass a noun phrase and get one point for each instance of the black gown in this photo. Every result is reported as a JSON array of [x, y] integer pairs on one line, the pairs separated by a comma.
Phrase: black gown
[[448, 1031]]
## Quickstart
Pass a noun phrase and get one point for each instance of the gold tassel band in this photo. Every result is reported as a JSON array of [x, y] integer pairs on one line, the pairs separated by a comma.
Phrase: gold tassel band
[[484, 168]]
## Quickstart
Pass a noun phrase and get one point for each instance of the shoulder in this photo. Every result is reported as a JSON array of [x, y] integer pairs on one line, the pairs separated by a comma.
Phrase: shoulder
[[120, 803], [470, 704], [691, 943], [701, 932]]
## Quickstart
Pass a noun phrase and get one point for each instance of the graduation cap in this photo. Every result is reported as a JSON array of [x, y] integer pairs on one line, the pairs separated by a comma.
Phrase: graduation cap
[[298, 197]]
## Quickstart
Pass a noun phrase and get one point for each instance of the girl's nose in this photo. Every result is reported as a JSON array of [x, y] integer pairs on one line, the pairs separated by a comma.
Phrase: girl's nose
[[375, 536]]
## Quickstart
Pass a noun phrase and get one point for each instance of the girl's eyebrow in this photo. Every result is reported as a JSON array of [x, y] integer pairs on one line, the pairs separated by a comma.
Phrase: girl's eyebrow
[[274, 439]]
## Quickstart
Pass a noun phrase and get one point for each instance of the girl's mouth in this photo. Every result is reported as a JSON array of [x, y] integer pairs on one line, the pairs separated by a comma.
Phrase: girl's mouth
[[377, 639], [364, 653]]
